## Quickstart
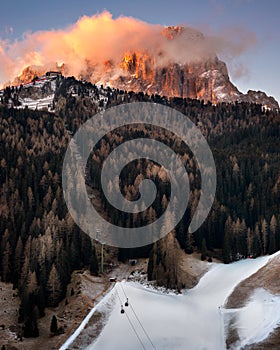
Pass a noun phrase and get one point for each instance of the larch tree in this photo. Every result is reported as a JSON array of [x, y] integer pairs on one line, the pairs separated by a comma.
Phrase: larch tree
[[32, 283], [6, 262], [53, 287], [264, 234], [272, 235]]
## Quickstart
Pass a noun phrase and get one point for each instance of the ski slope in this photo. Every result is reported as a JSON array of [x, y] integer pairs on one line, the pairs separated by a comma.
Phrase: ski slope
[[257, 319], [194, 320]]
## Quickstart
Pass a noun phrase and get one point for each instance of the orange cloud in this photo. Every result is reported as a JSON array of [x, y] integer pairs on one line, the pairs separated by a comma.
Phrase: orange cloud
[[91, 41]]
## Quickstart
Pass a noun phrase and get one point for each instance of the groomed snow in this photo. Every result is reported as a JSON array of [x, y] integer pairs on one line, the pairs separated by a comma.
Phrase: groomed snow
[[193, 320], [257, 319]]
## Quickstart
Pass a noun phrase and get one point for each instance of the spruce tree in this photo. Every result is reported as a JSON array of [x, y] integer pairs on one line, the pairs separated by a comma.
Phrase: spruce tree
[[93, 263], [203, 250], [53, 327]]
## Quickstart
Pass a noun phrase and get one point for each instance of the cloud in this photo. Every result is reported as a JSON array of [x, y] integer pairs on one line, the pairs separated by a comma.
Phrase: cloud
[[91, 41], [9, 30], [240, 71]]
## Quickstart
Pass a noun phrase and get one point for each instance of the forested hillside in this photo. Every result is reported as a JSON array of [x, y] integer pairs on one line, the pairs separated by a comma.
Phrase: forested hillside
[[40, 244]]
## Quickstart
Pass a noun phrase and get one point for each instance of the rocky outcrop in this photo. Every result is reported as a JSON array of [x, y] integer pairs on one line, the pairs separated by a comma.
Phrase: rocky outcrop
[[205, 80], [261, 98], [160, 73]]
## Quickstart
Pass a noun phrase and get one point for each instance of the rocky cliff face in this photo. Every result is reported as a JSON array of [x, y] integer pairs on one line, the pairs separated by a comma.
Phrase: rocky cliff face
[[204, 80], [207, 80], [156, 73]]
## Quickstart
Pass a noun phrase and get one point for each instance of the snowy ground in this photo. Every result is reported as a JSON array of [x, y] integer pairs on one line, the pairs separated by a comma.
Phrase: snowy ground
[[193, 320], [257, 319], [37, 103]]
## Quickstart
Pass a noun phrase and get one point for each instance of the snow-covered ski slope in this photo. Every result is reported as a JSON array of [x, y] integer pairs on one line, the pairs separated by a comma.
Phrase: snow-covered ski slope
[[195, 320]]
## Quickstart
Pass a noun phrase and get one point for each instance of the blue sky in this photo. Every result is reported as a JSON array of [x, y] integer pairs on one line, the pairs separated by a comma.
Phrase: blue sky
[[260, 64]]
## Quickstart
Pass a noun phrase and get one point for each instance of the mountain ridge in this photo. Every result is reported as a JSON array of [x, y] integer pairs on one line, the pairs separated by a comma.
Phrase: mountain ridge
[[164, 71]]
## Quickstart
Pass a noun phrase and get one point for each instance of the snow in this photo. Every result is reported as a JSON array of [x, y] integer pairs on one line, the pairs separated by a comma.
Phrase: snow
[[36, 103], [53, 85], [193, 320], [219, 92], [210, 73], [258, 318], [39, 84], [70, 340], [78, 330]]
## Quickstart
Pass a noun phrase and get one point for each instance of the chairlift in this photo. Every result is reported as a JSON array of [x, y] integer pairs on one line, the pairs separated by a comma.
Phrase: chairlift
[[122, 310], [126, 303]]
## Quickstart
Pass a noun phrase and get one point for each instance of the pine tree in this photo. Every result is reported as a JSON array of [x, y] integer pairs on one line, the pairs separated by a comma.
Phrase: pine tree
[[257, 249], [93, 263], [227, 246], [203, 250], [53, 327], [30, 326], [18, 259]]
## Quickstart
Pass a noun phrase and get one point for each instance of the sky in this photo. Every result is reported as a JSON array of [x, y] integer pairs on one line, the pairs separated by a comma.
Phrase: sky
[[256, 68]]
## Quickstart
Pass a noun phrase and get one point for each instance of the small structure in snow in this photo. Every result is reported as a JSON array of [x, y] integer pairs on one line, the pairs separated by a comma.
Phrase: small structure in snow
[[132, 262], [53, 74]]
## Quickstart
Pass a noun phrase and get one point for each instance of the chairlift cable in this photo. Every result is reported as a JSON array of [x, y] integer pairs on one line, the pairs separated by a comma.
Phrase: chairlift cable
[[147, 335], [143, 346], [131, 324]]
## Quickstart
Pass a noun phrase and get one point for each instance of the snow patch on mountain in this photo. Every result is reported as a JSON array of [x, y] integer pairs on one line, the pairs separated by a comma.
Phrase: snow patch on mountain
[[37, 103]]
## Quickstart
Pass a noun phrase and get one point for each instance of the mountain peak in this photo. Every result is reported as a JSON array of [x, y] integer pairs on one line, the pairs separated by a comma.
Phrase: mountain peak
[[164, 70], [172, 32]]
